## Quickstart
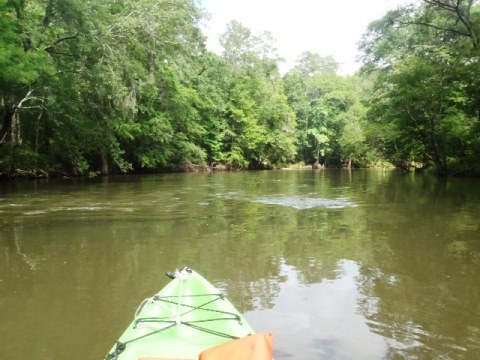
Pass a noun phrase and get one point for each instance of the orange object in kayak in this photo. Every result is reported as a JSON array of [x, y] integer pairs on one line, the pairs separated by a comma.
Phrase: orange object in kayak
[[252, 347]]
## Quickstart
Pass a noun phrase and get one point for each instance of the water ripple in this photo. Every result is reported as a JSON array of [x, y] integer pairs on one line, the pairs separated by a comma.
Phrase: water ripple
[[303, 202]]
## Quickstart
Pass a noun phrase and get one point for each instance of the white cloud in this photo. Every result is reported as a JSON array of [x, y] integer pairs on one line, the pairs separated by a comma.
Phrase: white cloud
[[325, 27]]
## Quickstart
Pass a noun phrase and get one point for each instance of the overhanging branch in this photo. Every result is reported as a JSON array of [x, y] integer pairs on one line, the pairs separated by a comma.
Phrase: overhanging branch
[[436, 27], [51, 48], [462, 14]]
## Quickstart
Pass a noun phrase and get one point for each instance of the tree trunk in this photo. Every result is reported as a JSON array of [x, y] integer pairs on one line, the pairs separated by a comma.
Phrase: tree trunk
[[37, 131], [437, 145], [6, 134], [10, 130], [105, 169], [16, 130]]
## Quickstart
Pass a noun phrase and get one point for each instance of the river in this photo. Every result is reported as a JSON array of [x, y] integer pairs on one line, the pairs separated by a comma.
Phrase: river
[[336, 264]]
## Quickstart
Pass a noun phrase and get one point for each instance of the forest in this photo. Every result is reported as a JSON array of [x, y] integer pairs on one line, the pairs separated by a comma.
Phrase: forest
[[91, 87]]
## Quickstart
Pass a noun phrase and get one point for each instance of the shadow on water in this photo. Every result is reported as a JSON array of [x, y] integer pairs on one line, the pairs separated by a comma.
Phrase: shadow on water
[[337, 264]]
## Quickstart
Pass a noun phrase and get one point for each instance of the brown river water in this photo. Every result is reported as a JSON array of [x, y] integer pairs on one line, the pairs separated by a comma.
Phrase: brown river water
[[336, 264]]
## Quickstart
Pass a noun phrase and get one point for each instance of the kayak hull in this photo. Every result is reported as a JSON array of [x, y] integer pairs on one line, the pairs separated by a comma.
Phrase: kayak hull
[[186, 317]]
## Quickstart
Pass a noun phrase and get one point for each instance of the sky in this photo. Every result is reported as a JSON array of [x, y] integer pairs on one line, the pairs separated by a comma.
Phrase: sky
[[325, 27]]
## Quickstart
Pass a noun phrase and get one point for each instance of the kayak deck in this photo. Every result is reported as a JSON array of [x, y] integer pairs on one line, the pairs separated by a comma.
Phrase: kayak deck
[[186, 317]]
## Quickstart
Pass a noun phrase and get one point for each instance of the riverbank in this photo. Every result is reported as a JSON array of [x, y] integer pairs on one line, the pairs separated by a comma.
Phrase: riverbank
[[186, 168], [42, 174]]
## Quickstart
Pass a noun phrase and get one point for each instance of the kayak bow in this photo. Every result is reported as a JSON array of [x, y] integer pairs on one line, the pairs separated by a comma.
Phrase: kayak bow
[[186, 317]]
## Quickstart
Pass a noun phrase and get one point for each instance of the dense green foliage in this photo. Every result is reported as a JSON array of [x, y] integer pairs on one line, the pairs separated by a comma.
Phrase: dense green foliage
[[90, 87], [329, 112], [425, 62]]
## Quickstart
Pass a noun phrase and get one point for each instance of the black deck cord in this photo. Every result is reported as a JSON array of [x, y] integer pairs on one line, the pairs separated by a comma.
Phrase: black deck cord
[[235, 317], [210, 331], [161, 320], [193, 308], [121, 346]]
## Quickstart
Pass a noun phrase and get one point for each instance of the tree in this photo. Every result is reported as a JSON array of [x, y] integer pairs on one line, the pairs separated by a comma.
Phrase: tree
[[310, 64], [321, 98], [92, 79], [260, 123], [426, 59], [353, 138], [25, 65]]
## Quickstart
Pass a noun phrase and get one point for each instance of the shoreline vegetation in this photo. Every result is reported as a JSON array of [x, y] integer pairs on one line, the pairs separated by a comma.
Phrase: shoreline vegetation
[[188, 168], [98, 88]]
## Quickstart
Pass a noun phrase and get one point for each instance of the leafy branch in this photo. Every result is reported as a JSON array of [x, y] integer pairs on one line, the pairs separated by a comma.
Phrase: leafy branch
[[462, 14]]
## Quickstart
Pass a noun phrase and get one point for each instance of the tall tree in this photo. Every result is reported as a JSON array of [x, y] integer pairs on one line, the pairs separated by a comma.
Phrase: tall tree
[[321, 98], [426, 60], [94, 78], [25, 66], [260, 122]]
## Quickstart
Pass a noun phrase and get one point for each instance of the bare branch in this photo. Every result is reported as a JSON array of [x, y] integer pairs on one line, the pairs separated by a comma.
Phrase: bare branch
[[26, 98], [442, 4], [51, 48], [32, 107], [463, 16], [3, 138], [420, 23], [60, 53], [58, 41]]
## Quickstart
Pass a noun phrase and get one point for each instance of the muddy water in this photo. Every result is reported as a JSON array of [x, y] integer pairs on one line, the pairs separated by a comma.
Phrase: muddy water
[[338, 265]]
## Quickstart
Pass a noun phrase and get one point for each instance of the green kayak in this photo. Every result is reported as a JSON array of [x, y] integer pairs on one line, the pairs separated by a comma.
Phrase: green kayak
[[188, 316]]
